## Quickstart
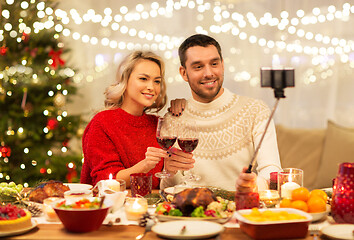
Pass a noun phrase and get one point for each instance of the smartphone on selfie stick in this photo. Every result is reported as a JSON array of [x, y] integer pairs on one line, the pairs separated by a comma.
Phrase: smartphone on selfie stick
[[278, 79]]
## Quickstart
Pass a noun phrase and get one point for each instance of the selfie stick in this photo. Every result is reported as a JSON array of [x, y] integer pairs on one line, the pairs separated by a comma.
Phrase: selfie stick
[[278, 79]]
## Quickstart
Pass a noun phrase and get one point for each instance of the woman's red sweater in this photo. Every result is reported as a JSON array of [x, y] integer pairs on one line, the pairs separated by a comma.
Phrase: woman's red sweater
[[116, 140]]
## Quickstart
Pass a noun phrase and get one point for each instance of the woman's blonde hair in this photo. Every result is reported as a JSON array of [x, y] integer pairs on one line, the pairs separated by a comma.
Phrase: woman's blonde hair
[[115, 93]]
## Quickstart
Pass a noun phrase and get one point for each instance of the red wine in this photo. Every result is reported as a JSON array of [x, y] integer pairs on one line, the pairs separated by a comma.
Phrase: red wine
[[166, 142], [188, 144]]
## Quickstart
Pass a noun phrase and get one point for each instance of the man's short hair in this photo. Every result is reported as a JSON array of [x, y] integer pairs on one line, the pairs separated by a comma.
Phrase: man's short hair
[[196, 40]]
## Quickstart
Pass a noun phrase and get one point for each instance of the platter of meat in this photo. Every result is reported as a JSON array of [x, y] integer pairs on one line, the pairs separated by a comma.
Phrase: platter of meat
[[196, 204]]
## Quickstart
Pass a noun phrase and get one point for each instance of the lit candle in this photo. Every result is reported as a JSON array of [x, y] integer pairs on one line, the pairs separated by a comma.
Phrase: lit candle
[[135, 208], [113, 184], [287, 188], [270, 198]]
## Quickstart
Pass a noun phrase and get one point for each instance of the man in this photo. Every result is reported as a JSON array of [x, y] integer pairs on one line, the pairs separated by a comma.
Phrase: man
[[230, 126]]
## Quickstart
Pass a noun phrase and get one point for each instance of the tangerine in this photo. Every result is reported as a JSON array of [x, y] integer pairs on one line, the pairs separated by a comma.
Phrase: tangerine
[[300, 194], [316, 204], [320, 193], [285, 203], [299, 204]]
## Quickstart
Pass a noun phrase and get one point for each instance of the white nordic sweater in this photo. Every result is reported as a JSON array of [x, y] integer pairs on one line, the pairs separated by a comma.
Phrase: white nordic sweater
[[230, 128]]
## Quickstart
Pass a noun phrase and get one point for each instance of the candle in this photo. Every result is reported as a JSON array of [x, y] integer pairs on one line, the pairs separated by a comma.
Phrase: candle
[[135, 208], [270, 198], [287, 188], [113, 184], [49, 213]]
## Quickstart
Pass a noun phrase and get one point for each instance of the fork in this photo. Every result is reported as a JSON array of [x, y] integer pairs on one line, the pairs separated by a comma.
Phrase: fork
[[149, 224], [315, 232]]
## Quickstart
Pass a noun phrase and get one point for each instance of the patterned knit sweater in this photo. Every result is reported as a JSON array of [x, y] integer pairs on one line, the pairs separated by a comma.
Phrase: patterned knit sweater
[[116, 140], [230, 128]]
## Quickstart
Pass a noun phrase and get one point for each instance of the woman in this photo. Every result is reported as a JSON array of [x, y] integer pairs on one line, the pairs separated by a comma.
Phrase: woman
[[121, 140]]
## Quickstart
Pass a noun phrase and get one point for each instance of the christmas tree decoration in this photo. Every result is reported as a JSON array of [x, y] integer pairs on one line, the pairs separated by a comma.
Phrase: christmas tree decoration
[[52, 123], [32, 95], [56, 60], [5, 151], [59, 100], [3, 50]]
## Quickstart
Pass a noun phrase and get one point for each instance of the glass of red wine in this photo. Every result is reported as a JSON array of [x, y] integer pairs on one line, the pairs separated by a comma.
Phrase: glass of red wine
[[166, 136], [188, 138]]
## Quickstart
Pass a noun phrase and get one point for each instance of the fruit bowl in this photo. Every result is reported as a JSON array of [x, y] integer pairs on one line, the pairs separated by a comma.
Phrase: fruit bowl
[[320, 215], [82, 219], [284, 229]]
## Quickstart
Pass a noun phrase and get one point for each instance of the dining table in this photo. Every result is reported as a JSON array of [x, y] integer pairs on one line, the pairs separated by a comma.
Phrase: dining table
[[56, 230]]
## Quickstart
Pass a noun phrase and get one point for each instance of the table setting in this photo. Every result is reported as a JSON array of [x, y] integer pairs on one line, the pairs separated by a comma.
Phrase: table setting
[[110, 210]]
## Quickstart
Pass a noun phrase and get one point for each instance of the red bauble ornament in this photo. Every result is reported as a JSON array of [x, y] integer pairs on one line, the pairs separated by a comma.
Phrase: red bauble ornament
[[43, 170], [3, 50], [25, 37], [52, 123], [56, 58], [5, 151]]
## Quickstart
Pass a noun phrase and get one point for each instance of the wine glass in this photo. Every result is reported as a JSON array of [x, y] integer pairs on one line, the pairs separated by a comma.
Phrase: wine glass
[[188, 140], [166, 136]]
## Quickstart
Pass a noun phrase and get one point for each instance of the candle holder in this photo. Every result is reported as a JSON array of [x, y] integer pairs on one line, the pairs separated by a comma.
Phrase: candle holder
[[273, 181], [342, 204], [289, 179], [135, 208], [269, 198], [48, 211]]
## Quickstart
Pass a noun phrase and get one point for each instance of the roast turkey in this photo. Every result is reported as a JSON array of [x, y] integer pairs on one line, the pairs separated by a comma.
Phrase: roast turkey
[[191, 198], [49, 189]]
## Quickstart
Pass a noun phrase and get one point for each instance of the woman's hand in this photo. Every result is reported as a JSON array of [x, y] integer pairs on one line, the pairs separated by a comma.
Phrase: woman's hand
[[152, 157], [177, 106], [246, 182], [179, 160]]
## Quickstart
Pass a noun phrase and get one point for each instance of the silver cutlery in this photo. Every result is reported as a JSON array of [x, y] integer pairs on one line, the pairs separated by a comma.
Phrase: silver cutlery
[[149, 224]]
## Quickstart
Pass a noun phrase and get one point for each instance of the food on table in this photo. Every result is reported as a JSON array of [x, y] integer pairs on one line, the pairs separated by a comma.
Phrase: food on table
[[13, 218], [320, 193], [268, 215], [48, 189], [197, 202], [81, 204], [191, 198], [316, 204], [9, 191], [312, 202], [301, 193]]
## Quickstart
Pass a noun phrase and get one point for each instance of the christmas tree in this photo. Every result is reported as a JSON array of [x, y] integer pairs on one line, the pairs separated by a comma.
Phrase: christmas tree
[[35, 85]]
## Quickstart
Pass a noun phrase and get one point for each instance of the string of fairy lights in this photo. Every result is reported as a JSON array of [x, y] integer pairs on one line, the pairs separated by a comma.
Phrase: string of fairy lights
[[226, 21], [322, 49]]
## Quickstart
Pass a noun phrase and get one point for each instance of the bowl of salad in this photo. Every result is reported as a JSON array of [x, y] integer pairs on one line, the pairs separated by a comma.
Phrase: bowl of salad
[[84, 215]]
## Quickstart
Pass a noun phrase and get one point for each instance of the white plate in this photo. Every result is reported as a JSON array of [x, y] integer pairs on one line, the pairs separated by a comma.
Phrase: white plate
[[78, 186], [20, 231], [339, 231], [194, 229], [320, 215], [166, 218]]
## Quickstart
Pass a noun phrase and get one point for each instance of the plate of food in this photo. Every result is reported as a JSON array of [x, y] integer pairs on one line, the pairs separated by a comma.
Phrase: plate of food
[[196, 204], [274, 223]]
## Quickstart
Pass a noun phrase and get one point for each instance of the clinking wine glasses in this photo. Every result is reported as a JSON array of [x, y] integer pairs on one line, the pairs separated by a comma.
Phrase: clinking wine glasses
[[188, 138], [166, 136]]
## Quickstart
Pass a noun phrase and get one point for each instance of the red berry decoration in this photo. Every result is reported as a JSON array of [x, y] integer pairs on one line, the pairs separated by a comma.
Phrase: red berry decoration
[[5, 151], [52, 123]]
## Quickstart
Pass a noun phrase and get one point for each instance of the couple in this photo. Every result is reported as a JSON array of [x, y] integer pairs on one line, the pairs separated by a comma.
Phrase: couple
[[122, 139]]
